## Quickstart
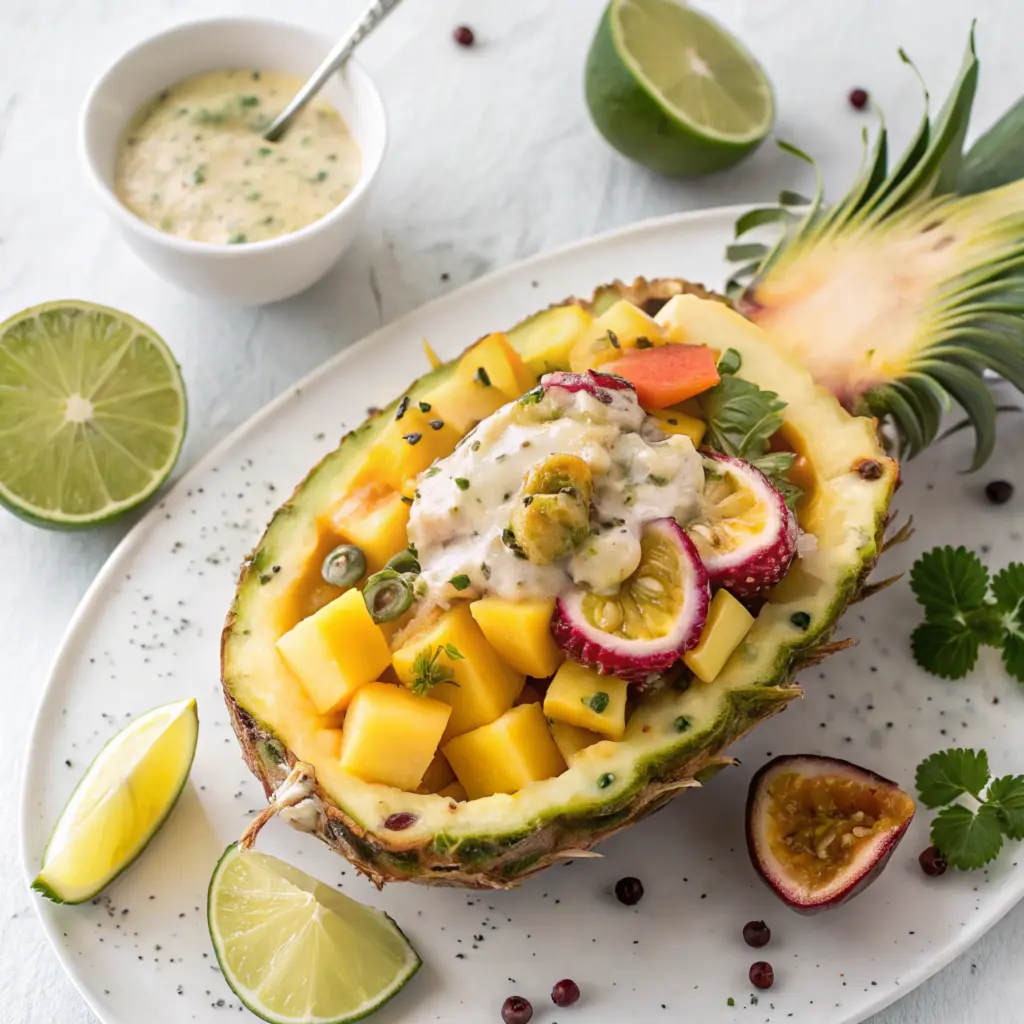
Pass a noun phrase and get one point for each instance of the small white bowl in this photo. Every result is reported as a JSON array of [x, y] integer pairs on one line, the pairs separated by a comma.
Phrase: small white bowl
[[255, 272]]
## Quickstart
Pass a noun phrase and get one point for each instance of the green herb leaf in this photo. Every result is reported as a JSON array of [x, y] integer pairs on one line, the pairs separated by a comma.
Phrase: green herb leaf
[[949, 580], [460, 582], [944, 646], [1013, 655], [1006, 794], [729, 361], [597, 702], [427, 673], [454, 653], [462, 483], [968, 840], [741, 417], [947, 774]]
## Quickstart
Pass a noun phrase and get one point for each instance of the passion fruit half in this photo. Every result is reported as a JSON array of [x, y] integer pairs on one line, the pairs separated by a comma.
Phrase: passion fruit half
[[595, 384], [820, 830], [656, 615]]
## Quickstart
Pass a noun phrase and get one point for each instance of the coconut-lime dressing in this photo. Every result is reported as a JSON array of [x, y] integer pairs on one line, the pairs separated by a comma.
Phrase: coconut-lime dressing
[[461, 514]]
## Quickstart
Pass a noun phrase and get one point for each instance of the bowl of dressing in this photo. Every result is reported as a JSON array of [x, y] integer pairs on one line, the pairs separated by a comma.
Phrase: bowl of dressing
[[171, 137]]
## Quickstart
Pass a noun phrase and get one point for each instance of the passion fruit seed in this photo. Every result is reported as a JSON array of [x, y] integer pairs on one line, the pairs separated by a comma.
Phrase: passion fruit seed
[[762, 974], [999, 492], [464, 36], [516, 1010], [932, 862], [629, 890], [388, 595], [403, 562], [756, 934], [858, 98], [344, 566], [565, 992]]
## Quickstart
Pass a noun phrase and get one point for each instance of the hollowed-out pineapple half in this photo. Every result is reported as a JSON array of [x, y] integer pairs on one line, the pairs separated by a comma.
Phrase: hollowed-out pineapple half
[[586, 785]]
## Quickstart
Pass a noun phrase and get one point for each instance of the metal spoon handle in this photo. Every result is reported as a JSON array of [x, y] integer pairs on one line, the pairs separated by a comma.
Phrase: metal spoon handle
[[372, 17]]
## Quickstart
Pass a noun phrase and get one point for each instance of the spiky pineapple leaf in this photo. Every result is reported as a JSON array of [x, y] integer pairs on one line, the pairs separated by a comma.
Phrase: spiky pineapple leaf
[[997, 158]]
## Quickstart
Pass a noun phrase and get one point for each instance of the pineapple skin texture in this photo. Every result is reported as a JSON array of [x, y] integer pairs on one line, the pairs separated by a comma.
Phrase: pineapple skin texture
[[496, 857]]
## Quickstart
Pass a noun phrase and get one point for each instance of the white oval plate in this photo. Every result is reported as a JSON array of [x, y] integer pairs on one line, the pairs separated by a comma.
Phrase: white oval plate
[[148, 632]]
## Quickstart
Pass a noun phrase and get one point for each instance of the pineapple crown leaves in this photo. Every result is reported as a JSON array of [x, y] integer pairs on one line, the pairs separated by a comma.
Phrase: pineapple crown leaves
[[968, 304], [428, 671]]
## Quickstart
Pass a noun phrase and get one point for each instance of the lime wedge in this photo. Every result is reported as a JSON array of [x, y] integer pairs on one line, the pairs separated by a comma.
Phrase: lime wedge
[[673, 90], [120, 804], [92, 414], [296, 951]]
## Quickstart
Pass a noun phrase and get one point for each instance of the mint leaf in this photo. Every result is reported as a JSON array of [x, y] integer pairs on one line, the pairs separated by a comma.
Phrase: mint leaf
[[968, 840], [945, 646], [948, 580], [453, 652], [741, 417], [1013, 655], [947, 774], [1006, 794]]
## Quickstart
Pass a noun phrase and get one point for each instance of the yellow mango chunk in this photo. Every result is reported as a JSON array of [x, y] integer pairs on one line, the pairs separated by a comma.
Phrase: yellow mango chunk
[[482, 686], [464, 402], [627, 324], [438, 775], [375, 518], [582, 697], [335, 651], [672, 421], [506, 755], [454, 791], [391, 735], [728, 623], [493, 359], [520, 631], [408, 446], [545, 340], [570, 739]]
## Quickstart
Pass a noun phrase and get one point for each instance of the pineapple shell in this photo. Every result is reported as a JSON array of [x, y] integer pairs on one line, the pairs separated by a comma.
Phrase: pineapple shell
[[675, 739]]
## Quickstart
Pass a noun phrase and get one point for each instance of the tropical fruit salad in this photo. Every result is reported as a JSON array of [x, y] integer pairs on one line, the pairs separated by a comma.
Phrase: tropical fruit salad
[[540, 593]]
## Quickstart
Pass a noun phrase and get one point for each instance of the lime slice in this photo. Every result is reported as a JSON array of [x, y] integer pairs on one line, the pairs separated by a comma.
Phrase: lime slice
[[296, 951], [92, 413], [672, 89], [120, 804]]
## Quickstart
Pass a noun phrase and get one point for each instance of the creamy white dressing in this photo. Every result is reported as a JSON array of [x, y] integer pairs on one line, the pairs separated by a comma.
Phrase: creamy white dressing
[[464, 503]]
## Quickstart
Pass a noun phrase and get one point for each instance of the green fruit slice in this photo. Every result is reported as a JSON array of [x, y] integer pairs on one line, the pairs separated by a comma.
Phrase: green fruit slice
[[120, 804], [672, 89], [296, 951], [92, 414]]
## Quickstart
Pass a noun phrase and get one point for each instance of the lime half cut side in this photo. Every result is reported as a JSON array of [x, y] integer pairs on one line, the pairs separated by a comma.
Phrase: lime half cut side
[[296, 951], [120, 804], [674, 90], [92, 413]]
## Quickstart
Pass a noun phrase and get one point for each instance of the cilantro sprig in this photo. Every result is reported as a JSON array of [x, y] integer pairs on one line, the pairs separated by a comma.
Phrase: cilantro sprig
[[964, 609], [428, 672], [970, 834]]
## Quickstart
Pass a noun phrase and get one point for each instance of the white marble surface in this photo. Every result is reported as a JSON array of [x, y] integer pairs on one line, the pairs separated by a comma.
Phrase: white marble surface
[[492, 158]]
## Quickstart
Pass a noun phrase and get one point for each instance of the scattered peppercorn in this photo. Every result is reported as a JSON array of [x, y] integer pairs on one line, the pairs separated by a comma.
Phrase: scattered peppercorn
[[412, 438], [516, 1010], [762, 975], [800, 619], [858, 98], [999, 492], [565, 992], [436, 424], [403, 407], [756, 934], [629, 890], [932, 862], [464, 36]]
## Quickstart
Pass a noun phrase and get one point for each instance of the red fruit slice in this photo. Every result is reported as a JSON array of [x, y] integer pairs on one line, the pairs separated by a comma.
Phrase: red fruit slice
[[656, 615], [820, 830], [667, 374], [746, 535], [596, 384]]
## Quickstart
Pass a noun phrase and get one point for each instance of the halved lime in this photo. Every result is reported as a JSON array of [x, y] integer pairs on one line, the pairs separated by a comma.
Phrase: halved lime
[[119, 805], [92, 413], [674, 90], [296, 951]]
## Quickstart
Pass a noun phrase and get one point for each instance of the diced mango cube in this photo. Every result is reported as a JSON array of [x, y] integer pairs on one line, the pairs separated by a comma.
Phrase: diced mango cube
[[335, 651], [493, 359], [464, 402], [582, 697], [407, 446], [505, 755], [672, 421], [438, 775], [618, 329], [482, 686], [727, 624], [547, 338], [570, 739], [391, 735], [520, 631], [454, 791], [374, 517]]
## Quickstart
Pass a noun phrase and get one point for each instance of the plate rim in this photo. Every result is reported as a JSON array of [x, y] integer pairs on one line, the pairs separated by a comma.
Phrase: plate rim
[[964, 938]]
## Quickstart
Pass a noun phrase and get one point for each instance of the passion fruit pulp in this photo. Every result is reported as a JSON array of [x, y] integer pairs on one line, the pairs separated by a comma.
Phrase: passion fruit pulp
[[820, 830]]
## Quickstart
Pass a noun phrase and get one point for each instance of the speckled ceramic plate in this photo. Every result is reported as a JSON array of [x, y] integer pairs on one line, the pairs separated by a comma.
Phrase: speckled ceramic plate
[[148, 632]]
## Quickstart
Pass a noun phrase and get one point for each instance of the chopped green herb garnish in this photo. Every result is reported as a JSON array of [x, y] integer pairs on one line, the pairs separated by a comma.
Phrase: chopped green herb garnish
[[533, 396], [800, 619], [597, 702], [729, 361], [264, 151], [613, 339], [237, 239], [248, 101], [199, 175], [482, 377], [320, 176], [475, 446], [406, 499], [425, 406], [658, 481], [604, 781], [460, 582], [485, 569], [682, 723], [427, 673], [462, 483], [254, 197], [432, 471]]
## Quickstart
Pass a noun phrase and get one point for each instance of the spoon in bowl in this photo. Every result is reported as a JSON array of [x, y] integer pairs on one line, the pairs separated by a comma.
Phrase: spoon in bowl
[[372, 17]]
